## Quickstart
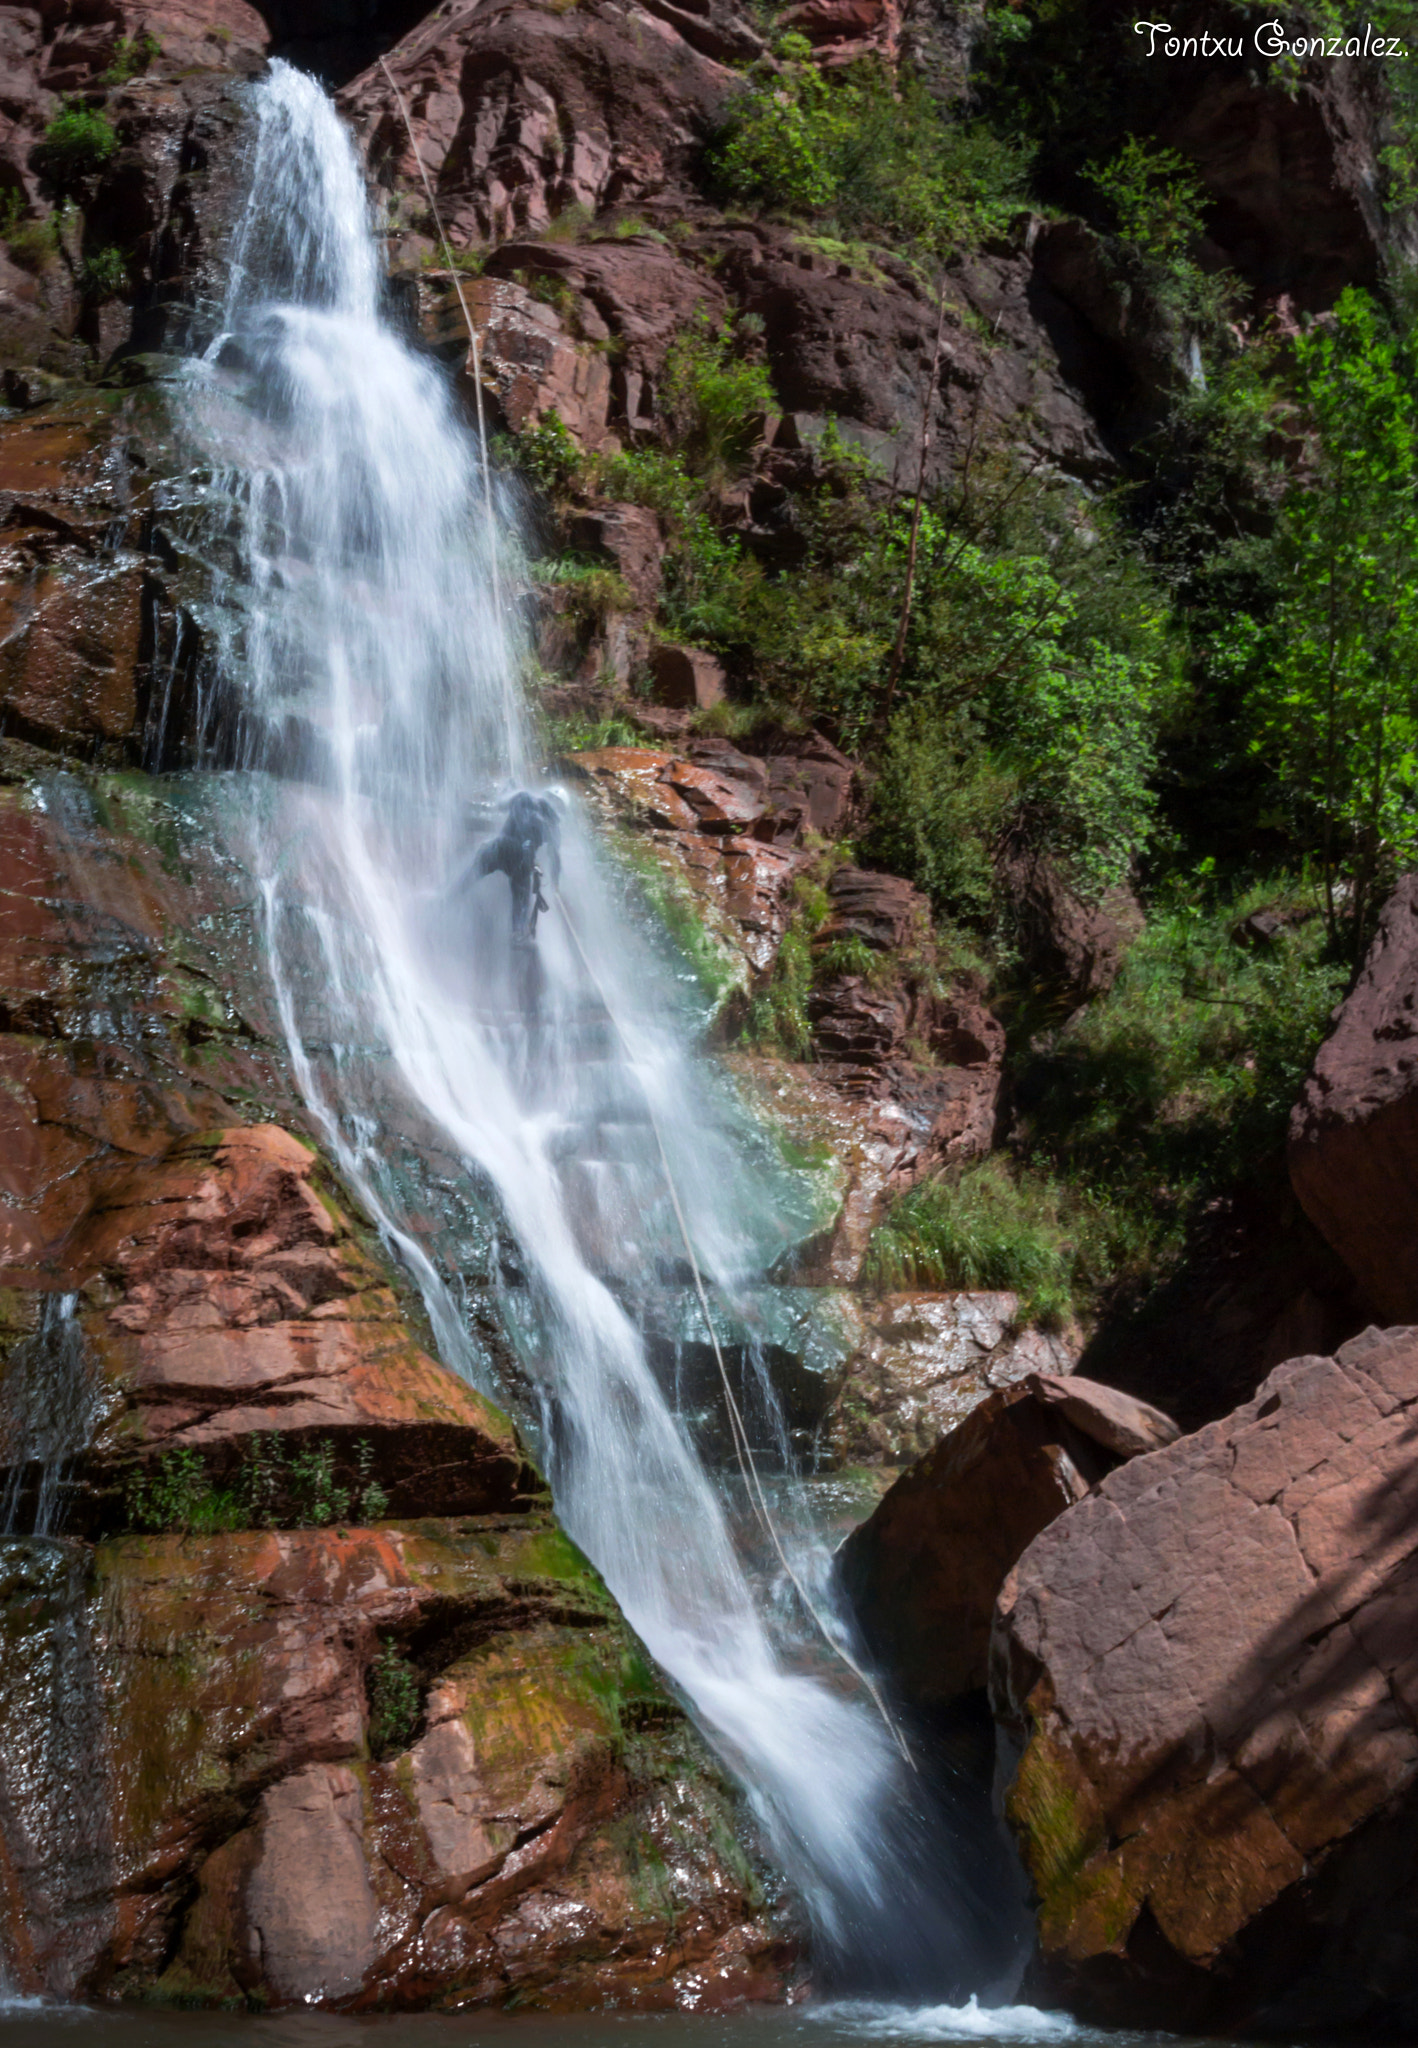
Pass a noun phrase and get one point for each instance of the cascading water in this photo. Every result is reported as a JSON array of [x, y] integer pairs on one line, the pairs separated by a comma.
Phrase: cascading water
[[376, 676], [47, 1404]]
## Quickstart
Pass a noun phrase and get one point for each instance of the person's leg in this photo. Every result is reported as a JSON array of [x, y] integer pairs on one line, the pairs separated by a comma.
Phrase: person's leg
[[519, 876]]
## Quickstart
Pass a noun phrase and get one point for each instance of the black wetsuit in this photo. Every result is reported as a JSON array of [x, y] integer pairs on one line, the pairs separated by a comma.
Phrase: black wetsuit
[[532, 822]]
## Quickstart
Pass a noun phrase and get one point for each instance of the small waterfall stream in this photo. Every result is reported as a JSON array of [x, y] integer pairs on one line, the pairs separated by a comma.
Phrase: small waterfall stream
[[47, 1406], [377, 679]]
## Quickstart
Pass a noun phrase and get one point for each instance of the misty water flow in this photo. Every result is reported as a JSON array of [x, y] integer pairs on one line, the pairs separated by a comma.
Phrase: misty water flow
[[380, 719], [47, 1404]]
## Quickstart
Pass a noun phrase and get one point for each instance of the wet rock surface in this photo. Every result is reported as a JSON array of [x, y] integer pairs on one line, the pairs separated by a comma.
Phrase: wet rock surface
[[1204, 1673], [124, 934], [248, 1304], [924, 1362], [904, 1078], [531, 1818], [923, 1573]]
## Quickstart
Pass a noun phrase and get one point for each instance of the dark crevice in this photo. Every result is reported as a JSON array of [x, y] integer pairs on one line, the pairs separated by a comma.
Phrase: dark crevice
[[337, 39]]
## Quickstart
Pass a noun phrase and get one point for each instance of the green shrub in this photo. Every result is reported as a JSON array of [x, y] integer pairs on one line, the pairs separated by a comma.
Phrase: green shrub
[[547, 455], [938, 810], [713, 401], [131, 54], [395, 1698], [177, 1494], [270, 1489], [103, 274], [983, 1230], [78, 141], [873, 151], [779, 135], [585, 736], [1159, 208], [1038, 670], [851, 955], [1177, 1085], [777, 1018], [312, 1478], [33, 244], [593, 589], [1156, 198], [1333, 672], [707, 575], [371, 1502]]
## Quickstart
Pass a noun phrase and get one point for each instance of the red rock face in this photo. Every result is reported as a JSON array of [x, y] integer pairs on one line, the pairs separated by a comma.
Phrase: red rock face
[[236, 1839], [520, 114], [1206, 1669], [1354, 1133], [246, 1304], [164, 198], [923, 1574], [115, 1036]]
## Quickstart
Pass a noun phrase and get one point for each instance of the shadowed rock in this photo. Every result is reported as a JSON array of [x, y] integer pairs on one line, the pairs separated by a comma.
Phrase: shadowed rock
[[1206, 1675], [923, 1574], [1354, 1132]]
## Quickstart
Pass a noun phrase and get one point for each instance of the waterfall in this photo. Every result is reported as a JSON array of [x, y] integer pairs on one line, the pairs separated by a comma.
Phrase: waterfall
[[379, 717], [49, 1398]]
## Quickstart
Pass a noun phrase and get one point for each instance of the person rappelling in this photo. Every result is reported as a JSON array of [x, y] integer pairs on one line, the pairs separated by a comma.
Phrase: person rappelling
[[533, 822]]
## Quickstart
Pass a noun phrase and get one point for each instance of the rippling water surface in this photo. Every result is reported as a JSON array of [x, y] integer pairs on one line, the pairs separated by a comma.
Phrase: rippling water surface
[[820, 2025]]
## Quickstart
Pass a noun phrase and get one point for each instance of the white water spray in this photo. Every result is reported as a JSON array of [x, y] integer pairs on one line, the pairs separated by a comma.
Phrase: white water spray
[[377, 677]]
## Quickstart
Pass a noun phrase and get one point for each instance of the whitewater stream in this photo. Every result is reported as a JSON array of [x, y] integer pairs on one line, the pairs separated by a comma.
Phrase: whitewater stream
[[370, 697]]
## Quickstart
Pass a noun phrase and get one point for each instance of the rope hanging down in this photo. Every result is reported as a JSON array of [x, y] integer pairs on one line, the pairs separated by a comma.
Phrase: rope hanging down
[[472, 337], [742, 1451]]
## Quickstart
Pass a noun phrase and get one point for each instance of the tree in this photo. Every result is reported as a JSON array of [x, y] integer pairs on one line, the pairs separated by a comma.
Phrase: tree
[[1335, 703]]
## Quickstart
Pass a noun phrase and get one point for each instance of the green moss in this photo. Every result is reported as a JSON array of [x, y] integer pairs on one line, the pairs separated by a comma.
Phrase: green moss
[[1086, 1904], [717, 970]]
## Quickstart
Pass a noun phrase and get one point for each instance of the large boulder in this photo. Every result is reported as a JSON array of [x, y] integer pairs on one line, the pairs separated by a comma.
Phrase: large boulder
[[1204, 1675], [924, 1572], [1074, 942], [358, 1767], [1354, 1131]]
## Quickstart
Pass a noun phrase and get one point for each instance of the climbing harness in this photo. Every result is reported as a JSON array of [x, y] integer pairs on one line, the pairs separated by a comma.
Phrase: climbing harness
[[472, 337], [742, 1451]]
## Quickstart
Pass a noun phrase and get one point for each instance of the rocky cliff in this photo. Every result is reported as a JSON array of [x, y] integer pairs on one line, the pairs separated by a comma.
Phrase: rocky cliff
[[302, 1603]]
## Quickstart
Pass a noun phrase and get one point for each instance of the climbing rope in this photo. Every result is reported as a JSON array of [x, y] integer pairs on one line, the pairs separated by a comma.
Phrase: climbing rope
[[473, 338], [743, 1452], [742, 1449]]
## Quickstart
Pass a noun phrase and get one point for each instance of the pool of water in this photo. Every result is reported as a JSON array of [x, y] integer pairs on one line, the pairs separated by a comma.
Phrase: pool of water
[[31, 2024]]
